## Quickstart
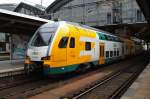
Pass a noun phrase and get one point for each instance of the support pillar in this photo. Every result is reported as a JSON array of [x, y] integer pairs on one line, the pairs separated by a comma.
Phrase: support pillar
[[11, 51], [147, 43]]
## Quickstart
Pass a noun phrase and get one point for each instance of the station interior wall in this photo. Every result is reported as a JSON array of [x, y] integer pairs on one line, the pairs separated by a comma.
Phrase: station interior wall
[[19, 46]]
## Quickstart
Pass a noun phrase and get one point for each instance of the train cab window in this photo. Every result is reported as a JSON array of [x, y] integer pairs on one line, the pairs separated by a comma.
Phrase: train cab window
[[72, 42], [63, 42], [87, 46], [107, 54], [44, 35]]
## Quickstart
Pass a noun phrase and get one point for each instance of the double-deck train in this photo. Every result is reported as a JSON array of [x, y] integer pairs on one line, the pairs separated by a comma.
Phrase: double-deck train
[[63, 47]]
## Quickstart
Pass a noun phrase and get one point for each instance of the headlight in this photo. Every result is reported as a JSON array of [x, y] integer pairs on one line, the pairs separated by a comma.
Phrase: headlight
[[27, 60], [46, 58]]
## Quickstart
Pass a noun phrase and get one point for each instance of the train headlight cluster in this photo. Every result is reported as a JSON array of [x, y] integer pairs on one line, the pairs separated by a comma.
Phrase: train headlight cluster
[[46, 58], [27, 60]]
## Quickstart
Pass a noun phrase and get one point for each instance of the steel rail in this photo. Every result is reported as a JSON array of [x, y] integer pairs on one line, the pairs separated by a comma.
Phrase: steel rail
[[109, 78]]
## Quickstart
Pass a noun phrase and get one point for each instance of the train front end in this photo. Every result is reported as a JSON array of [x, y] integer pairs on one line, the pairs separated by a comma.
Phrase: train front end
[[39, 47]]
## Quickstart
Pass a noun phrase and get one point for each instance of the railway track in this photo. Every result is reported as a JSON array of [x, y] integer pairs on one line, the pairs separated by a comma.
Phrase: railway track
[[13, 81], [29, 86], [113, 86], [13, 85]]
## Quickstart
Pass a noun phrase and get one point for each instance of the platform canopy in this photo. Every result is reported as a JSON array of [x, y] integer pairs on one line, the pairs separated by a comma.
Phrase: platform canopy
[[140, 29], [57, 4], [13, 22], [145, 8]]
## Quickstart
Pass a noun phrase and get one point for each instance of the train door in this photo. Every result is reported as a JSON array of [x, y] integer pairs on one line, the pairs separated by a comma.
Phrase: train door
[[72, 49], [59, 56], [101, 55], [59, 50]]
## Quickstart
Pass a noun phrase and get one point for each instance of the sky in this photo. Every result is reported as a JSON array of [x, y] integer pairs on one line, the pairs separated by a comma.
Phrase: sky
[[32, 2]]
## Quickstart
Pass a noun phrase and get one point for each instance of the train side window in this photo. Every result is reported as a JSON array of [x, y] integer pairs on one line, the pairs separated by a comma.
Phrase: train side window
[[63, 42], [115, 53], [111, 53], [118, 53], [87, 45], [106, 37], [110, 38], [107, 54], [72, 42], [113, 38]]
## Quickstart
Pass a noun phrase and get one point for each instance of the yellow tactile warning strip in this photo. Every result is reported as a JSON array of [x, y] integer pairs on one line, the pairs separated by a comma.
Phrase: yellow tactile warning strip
[[140, 89]]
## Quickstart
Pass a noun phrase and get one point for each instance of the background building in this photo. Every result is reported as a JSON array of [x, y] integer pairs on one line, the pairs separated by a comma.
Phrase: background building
[[10, 7], [24, 8], [96, 12]]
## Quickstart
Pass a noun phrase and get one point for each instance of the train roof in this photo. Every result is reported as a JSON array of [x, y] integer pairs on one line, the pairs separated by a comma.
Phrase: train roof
[[104, 35], [82, 26], [88, 27]]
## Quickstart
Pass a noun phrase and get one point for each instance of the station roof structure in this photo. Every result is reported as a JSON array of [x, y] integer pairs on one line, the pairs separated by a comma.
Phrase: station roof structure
[[138, 30], [145, 7], [16, 7], [22, 4], [34, 10], [57, 4], [13, 22], [9, 6]]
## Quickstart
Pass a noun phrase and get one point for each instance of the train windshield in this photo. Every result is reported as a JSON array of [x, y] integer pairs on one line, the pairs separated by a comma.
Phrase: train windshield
[[44, 36]]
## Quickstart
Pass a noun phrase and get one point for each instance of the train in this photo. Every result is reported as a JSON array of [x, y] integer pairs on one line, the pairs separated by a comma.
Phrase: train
[[63, 47]]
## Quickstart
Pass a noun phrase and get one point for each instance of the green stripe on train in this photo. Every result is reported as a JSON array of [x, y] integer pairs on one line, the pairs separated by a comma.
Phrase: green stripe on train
[[95, 62], [108, 60], [60, 70], [66, 69]]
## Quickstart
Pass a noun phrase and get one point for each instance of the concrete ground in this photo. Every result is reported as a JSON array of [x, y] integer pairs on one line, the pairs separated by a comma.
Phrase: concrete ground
[[140, 89], [8, 66]]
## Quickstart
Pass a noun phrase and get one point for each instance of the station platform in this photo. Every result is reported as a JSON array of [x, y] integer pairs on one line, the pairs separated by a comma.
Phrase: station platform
[[4, 56], [11, 67], [140, 89]]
